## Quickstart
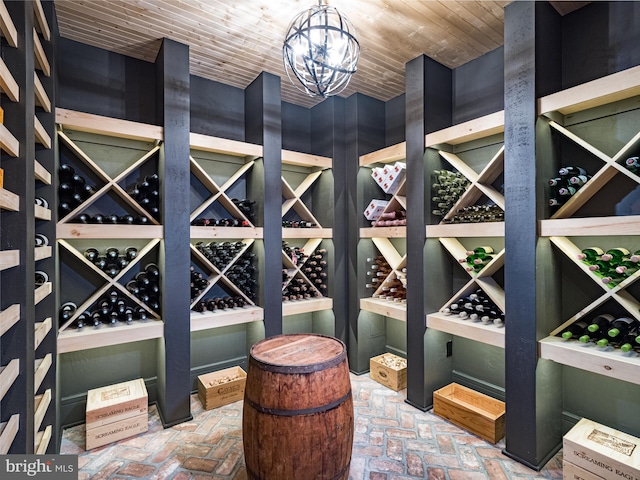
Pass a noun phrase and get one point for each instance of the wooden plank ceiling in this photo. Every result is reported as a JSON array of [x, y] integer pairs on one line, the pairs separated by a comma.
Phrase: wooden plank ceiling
[[232, 41]]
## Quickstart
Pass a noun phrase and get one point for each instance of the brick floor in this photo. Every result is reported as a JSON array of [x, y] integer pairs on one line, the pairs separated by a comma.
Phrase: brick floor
[[392, 441]]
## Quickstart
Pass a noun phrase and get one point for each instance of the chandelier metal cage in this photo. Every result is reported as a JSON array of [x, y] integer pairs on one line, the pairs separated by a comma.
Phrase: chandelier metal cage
[[320, 51]]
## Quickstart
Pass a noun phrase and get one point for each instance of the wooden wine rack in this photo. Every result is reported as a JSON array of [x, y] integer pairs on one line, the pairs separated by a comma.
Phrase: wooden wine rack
[[564, 231]]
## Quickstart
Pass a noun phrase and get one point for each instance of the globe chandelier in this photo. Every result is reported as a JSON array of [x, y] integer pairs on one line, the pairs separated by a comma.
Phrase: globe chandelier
[[320, 51]]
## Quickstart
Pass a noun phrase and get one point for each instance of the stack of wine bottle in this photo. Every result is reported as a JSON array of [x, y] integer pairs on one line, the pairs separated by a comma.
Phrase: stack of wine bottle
[[113, 219], [298, 224], [476, 306], [566, 184], [477, 259], [243, 275], [633, 164], [606, 330], [612, 266], [386, 284], [111, 309], [307, 281], [111, 261], [146, 286], [72, 190], [147, 195], [476, 214], [448, 187], [245, 206], [390, 219], [220, 254]]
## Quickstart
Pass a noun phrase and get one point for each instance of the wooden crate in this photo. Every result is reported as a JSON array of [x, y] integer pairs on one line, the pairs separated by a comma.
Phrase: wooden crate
[[573, 472], [115, 412], [478, 413], [222, 387], [111, 432], [603, 451], [382, 370]]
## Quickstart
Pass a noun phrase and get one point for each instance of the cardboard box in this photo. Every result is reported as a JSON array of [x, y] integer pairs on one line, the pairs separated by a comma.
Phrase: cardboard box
[[573, 472], [115, 412], [375, 208], [390, 370], [602, 450], [222, 387], [378, 174], [395, 176], [474, 411]]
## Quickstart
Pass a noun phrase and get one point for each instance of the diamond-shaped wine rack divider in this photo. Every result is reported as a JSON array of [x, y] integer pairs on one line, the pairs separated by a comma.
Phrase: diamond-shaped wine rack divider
[[110, 184], [475, 330]]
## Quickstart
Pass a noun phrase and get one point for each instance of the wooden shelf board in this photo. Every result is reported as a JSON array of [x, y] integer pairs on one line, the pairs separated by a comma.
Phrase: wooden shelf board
[[486, 229], [41, 404], [42, 292], [90, 123], [8, 375], [614, 87], [9, 259], [42, 213], [225, 318], [489, 334], [42, 366], [43, 252], [7, 26], [591, 226], [294, 307], [41, 20], [389, 154], [42, 99], [41, 134], [41, 441], [8, 84], [9, 317], [8, 142], [465, 132], [307, 233], [41, 173], [609, 362], [226, 232], [41, 60], [384, 307], [41, 331], [290, 157], [8, 431], [72, 340], [82, 230], [207, 143], [386, 232], [9, 200]]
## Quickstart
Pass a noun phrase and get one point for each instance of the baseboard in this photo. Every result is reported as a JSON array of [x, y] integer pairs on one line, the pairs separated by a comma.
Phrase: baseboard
[[478, 385]]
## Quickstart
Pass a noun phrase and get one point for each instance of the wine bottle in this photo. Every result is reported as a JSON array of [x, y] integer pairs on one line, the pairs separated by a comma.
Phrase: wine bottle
[[82, 320], [590, 254], [67, 310], [567, 191], [601, 323], [631, 341], [621, 326], [575, 330], [615, 254], [557, 182], [96, 317], [66, 172], [569, 171]]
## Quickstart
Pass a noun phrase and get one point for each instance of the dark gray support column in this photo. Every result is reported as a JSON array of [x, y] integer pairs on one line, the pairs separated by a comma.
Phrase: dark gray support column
[[174, 385], [18, 229], [533, 393], [428, 108], [329, 140], [263, 126]]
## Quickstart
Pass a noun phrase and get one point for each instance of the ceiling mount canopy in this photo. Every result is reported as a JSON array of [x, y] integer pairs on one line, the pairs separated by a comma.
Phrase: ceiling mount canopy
[[320, 51]]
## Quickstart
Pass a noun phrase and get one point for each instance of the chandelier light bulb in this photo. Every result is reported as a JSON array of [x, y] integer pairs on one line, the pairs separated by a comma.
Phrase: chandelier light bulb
[[320, 51]]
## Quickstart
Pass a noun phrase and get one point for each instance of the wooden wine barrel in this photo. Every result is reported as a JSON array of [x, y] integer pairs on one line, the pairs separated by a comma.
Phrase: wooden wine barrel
[[297, 419]]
